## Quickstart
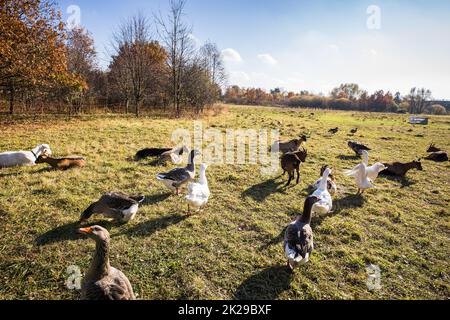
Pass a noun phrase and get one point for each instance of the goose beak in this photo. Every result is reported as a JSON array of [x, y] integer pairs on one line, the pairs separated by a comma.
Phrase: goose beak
[[85, 230]]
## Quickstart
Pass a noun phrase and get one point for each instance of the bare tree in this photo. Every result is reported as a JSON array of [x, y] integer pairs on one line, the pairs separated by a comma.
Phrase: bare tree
[[175, 36], [130, 44], [213, 60], [418, 100]]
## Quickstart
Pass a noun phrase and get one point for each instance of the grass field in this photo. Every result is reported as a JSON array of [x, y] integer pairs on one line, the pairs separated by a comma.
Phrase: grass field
[[233, 249]]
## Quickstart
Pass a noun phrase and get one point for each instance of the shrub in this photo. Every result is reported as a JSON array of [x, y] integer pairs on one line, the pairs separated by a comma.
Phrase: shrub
[[436, 109]]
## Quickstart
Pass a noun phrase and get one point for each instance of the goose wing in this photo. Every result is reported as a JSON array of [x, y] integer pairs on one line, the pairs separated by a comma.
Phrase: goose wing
[[176, 175], [117, 200]]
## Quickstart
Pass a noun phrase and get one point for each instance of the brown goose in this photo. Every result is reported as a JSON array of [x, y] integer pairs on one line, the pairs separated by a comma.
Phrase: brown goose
[[298, 238], [177, 178], [103, 282], [115, 205]]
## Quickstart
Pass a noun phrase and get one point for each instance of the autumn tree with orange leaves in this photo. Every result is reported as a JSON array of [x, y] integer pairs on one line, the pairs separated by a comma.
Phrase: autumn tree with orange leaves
[[32, 49]]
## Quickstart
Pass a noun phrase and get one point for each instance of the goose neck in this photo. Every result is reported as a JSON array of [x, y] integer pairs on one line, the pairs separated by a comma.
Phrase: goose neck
[[100, 264]]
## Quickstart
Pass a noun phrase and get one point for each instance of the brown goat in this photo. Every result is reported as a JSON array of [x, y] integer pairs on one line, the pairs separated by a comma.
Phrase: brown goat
[[290, 162], [290, 146], [433, 148], [400, 169], [62, 164], [440, 156]]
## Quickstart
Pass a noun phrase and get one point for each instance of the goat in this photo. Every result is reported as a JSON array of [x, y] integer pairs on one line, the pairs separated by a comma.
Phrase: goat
[[151, 152], [291, 146], [400, 169], [440, 156], [62, 164], [433, 148], [23, 158], [290, 162]]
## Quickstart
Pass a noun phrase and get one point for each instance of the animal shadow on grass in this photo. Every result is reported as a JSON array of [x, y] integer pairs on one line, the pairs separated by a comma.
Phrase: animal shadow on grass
[[347, 158], [275, 241], [156, 198], [404, 181], [348, 202], [19, 173], [267, 284], [262, 191], [68, 232], [148, 228]]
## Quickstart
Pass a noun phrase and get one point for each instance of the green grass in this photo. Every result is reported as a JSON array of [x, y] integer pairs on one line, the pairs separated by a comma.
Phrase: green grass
[[233, 249]]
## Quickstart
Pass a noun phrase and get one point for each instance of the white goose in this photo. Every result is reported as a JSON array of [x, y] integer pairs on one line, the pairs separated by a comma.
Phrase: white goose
[[198, 192], [365, 175], [331, 182], [325, 203]]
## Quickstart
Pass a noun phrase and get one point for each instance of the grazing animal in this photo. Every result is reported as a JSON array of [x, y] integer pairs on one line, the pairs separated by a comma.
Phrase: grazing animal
[[365, 175], [433, 148], [331, 182], [290, 163], [23, 158], [440, 156], [299, 238], [198, 192], [334, 130], [400, 169], [103, 282], [354, 131], [115, 205], [325, 203], [151, 152], [175, 155], [357, 147], [62, 164], [291, 146], [176, 178]]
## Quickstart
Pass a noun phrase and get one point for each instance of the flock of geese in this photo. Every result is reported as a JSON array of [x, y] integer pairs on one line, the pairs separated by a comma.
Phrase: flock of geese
[[102, 281]]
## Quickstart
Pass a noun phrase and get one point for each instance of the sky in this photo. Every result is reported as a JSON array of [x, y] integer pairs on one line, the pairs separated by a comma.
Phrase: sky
[[296, 45]]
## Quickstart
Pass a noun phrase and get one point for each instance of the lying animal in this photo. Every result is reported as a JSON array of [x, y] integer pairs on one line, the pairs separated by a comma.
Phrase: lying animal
[[152, 152], [357, 147], [400, 169], [291, 146], [290, 163], [433, 148], [440, 156], [62, 164], [23, 158]]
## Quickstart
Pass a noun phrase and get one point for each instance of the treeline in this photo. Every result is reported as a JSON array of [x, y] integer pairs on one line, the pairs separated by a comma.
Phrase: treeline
[[155, 63], [344, 97]]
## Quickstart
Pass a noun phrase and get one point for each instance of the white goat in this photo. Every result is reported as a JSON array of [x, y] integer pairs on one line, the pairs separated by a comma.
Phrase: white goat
[[23, 158]]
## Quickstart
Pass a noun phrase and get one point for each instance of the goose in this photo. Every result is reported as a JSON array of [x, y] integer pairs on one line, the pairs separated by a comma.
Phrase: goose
[[354, 131], [103, 282], [176, 178], [325, 203], [333, 131], [364, 175], [357, 147], [331, 182], [298, 238], [198, 193], [116, 205], [175, 155]]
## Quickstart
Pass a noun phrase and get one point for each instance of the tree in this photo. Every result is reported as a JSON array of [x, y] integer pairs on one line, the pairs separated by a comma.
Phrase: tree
[[213, 61], [418, 100], [81, 54], [175, 35], [349, 91], [138, 60], [32, 49]]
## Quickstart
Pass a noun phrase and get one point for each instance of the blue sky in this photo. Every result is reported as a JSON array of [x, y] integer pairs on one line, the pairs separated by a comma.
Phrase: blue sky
[[307, 45]]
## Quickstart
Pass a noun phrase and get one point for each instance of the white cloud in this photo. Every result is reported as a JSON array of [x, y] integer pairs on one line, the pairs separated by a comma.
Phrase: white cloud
[[267, 59], [231, 55]]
